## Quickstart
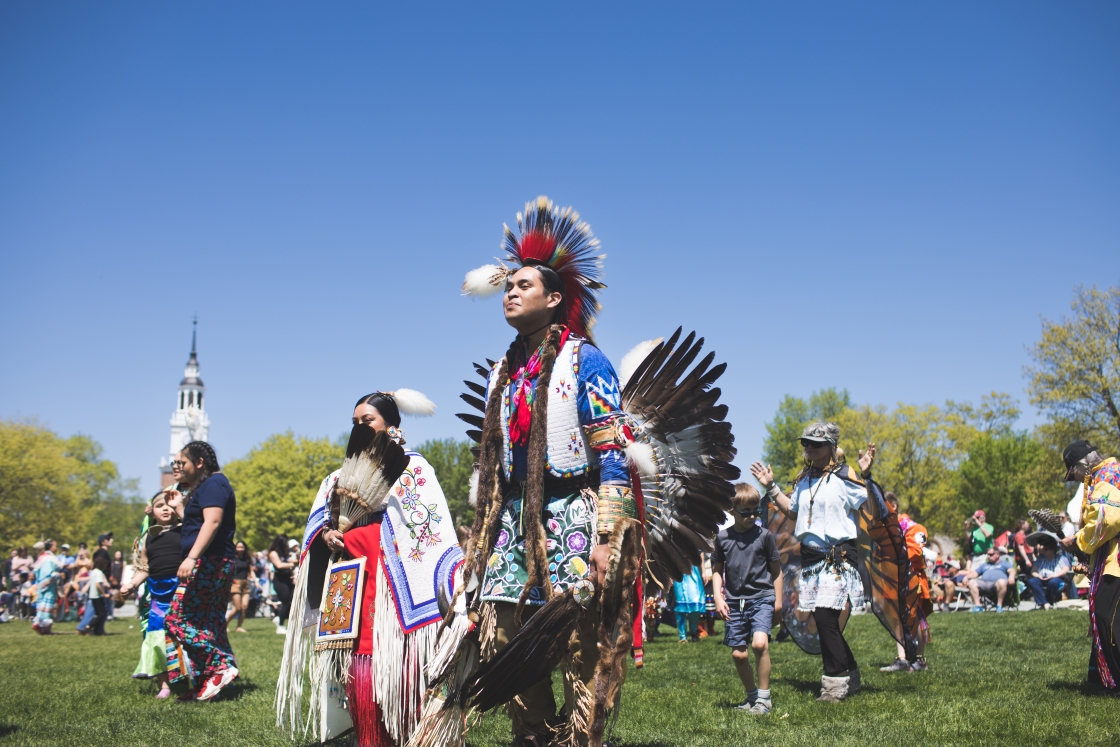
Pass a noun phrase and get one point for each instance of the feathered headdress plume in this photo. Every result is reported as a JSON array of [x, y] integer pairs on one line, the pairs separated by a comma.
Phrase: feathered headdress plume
[[412, 402], [372, 466], [555, 237]]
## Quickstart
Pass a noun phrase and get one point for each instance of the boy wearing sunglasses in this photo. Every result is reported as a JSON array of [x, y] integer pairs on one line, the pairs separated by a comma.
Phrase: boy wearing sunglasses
[[747, 587]]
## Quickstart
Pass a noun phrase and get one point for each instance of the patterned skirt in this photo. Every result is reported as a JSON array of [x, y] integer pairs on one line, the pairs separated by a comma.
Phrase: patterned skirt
[[831, 586], [569, 524], [197, 618], [153, 651]]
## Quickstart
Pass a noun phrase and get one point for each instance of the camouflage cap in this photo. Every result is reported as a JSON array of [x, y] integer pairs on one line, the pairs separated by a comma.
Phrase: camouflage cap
[[823, 432]]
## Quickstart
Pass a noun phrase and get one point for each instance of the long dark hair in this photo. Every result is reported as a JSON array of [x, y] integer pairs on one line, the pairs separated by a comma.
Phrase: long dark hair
[[385, 405], [248, 555], [279, 546], [197, 450]]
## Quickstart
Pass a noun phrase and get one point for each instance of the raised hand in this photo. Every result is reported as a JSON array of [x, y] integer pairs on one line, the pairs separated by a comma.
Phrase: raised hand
[[866, 458], [763, 474]]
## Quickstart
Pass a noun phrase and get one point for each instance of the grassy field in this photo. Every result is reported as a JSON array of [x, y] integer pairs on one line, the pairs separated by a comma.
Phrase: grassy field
[[1010, 679]]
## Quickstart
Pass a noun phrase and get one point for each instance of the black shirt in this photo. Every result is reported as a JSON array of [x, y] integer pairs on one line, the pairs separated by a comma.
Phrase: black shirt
[[165, 552], [746, 560], [241, 568], [214, 492]]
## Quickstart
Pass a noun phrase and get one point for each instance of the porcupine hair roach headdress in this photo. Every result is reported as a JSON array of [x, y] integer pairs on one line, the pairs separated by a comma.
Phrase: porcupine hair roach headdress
[[555, 238]]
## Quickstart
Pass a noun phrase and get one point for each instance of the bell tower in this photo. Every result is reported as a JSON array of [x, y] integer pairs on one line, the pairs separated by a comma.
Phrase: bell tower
[[189, 421]]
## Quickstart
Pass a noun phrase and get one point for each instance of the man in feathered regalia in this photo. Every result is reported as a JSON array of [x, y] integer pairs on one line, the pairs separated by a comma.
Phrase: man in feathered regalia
[[575, 468], [1098, 538], [554, 489]]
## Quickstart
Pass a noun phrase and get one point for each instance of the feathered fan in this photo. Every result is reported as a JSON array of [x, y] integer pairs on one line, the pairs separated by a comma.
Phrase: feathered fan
[[675, 415], [373, 465]]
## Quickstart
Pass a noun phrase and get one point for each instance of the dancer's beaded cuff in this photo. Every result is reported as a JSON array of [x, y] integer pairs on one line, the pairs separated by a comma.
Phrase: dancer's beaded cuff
[[615, 502]]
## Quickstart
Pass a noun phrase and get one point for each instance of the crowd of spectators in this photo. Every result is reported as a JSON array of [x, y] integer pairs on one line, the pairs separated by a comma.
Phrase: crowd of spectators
[[82, 584], [1000, 569]]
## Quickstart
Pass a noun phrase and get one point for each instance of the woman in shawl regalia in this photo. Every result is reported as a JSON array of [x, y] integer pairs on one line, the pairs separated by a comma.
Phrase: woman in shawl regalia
[[411, 553]]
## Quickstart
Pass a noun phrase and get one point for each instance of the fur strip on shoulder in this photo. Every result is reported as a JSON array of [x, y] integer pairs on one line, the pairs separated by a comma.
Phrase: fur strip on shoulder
[[532, 505]]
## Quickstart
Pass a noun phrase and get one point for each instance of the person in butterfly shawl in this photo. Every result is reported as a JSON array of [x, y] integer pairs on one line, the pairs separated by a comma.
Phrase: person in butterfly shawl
[[824, 503]]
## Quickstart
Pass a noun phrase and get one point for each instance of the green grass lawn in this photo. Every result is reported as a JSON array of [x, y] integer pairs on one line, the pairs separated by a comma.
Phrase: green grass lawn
[[1015, 678]]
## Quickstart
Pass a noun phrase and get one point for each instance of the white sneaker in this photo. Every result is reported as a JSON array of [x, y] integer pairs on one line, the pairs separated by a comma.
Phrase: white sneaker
[[281, 630], [214, 685]]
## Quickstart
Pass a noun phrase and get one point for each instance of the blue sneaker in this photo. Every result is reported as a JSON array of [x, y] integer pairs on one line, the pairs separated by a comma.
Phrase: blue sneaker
[[978, 608], [1000, 609]]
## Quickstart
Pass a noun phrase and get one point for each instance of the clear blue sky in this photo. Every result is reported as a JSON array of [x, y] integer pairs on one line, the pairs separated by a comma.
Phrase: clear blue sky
[[880, 196]]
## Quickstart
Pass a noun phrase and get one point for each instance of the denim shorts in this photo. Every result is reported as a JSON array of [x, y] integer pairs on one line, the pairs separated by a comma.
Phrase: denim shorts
[[748, 616]]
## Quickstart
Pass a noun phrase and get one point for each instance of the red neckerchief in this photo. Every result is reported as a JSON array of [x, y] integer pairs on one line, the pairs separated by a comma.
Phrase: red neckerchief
[[521, 403]]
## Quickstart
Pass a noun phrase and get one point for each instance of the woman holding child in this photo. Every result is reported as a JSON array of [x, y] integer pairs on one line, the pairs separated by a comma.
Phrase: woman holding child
[[824, 504]]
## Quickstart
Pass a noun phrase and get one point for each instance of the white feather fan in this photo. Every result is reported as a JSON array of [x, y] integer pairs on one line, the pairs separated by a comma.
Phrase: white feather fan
[[372, 467]]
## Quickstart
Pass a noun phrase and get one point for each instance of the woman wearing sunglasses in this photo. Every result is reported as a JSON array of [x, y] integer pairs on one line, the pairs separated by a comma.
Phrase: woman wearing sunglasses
[[824, 505]]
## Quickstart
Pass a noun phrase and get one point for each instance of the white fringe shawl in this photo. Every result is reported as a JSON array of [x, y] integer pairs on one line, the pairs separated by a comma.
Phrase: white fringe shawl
[[297, 649], [400, 662]]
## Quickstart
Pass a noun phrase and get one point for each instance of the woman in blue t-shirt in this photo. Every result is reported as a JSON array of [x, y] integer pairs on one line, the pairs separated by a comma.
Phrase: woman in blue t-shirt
[[197, 619]]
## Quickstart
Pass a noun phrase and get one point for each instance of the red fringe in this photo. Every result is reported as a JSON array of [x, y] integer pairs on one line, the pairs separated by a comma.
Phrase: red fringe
[[364, 712]]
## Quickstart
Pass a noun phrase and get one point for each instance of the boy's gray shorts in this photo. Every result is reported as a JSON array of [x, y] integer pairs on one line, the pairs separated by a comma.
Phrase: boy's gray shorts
[[748, 616]]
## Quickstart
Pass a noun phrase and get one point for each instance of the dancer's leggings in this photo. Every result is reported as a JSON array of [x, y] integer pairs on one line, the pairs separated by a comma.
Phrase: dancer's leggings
[[835, 654], [284, 592], [687, 622], [1106, 609]]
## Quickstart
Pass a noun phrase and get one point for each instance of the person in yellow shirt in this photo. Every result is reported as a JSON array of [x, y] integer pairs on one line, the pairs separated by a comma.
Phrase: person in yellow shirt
[[1100, 525]]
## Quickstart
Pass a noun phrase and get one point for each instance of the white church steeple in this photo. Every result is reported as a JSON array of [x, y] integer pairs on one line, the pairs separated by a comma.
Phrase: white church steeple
[[189, 421]]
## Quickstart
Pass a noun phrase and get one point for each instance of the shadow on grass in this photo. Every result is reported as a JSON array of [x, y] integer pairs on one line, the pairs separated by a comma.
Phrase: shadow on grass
[[814, 686], [236, 690], [8, 729], [1083, 687]]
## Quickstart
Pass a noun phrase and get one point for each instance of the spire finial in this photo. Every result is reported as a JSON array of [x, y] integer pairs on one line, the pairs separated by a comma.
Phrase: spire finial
[[194, 334]]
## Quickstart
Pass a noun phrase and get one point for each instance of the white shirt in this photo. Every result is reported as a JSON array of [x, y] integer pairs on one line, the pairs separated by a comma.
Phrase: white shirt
[[834, 507], [96, 578]]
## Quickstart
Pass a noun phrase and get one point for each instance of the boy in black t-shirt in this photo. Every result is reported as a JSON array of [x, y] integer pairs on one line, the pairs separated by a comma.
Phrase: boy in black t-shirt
[[747, 586]]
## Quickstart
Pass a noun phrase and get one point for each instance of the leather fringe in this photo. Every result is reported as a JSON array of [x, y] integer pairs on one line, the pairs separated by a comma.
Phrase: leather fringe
[[615, 628]]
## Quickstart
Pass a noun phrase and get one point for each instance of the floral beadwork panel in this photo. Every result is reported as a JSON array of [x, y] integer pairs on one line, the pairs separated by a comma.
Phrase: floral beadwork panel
[[568, 525]]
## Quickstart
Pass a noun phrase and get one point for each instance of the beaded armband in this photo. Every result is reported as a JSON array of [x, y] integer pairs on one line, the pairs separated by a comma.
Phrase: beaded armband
[[615, 502], [610, 434]]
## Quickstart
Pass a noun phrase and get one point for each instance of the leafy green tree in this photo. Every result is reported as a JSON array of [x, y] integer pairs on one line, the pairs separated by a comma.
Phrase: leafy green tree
[[1005, 475], [918, 447], [115, 504], [1076, 377], [781, 449], [452, 461], [276, 482], [61, 489]]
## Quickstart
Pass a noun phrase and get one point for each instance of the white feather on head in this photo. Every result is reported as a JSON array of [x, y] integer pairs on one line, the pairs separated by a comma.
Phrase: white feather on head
[[486, 280], [412, 402], [634, 358]]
